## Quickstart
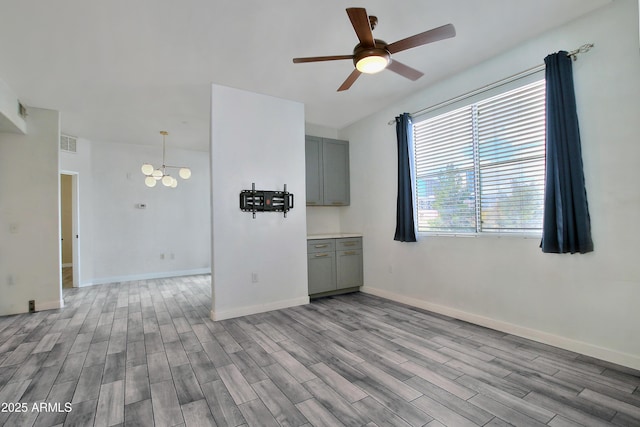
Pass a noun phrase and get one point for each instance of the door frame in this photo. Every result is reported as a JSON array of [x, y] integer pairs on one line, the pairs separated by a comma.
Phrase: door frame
[[75, 226]]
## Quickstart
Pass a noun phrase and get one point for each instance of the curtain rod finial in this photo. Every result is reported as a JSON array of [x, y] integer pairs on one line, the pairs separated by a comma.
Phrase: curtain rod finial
[[582, 49]]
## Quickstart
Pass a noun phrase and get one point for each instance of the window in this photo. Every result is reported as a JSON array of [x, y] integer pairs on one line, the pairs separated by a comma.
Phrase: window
[[480, 168]]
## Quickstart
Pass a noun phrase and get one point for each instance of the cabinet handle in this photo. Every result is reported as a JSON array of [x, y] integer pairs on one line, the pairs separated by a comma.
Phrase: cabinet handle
[[321, 246], [349, 253], [321, 255]]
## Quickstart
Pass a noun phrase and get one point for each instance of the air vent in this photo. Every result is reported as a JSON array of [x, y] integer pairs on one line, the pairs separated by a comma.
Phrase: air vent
[[68, 143]]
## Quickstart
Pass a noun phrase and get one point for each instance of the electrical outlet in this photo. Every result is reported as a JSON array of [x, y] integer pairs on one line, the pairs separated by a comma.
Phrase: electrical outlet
[[32, 305], [254, 277]]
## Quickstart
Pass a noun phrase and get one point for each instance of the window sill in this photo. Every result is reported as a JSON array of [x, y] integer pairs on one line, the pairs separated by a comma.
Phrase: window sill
[[483, 235]]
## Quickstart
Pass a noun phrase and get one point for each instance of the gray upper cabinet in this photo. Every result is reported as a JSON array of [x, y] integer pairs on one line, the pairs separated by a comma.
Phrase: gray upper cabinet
[[335, 165], [327, 171], [313, 156]]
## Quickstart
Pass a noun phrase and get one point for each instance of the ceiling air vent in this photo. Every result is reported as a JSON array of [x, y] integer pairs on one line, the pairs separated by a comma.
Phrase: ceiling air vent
[[68, 143]]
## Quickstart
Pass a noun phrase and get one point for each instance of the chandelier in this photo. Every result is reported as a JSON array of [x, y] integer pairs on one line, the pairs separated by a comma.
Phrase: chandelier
[[153, 174]]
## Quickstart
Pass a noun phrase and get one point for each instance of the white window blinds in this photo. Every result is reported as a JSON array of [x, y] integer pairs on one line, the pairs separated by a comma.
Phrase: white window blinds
[[480, 168]]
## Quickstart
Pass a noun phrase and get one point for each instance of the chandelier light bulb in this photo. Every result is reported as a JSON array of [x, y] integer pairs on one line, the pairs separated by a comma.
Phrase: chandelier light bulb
[[150, 181], [147, 169], [185, 173], [174, 184], [157, 174], [167, 180]]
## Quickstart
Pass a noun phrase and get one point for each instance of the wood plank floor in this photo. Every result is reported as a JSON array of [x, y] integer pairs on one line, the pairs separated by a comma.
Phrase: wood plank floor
[[146, 352], [67, 277]]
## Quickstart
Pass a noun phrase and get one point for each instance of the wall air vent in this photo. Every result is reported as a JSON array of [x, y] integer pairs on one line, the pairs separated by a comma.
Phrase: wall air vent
[[68, 143]]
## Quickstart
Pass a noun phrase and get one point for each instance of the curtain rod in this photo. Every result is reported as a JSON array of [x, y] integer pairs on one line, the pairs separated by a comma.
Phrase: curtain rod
[[573, 54]]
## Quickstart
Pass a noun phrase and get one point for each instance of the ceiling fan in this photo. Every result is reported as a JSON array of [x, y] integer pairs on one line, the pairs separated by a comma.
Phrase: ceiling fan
[[373, 55]]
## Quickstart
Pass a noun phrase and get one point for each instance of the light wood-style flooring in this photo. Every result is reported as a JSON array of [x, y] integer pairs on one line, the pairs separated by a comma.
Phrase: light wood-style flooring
[[146, 352], [67, 277]]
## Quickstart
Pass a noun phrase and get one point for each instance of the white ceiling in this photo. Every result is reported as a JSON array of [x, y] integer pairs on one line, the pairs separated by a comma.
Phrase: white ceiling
[[122, 70]]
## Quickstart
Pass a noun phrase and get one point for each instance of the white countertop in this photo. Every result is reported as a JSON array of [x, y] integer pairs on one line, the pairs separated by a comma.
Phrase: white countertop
[[332, 236]]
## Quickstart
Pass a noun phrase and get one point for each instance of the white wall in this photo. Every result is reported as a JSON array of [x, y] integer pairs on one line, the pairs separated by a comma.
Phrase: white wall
[[321, 131], [256, 138], [324, 219], [29, 215], [129, 243], [587, 303]]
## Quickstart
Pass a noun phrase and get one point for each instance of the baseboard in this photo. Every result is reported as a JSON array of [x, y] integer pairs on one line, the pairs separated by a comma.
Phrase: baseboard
[[255, 309], [85, 284], [49, 305], [147, 276], [613, 356]]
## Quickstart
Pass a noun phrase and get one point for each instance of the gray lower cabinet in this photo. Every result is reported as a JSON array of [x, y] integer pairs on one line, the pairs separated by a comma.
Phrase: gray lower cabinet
[[327, 171], [334, 265], [321, 265]]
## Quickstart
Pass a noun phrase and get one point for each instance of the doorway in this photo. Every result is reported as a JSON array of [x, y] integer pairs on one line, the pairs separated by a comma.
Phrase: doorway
[[70, 265]]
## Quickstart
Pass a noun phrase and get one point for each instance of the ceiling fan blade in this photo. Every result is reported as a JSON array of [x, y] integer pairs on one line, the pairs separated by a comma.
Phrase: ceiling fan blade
[[430, 36], [321, 58], [350, 80], [404, 70], [360, 21]]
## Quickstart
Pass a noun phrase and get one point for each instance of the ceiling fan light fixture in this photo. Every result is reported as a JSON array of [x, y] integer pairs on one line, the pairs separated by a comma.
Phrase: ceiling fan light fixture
[[371, 60], [372, 64]]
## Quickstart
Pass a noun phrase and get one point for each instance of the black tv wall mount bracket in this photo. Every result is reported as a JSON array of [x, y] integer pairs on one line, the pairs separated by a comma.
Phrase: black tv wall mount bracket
[[265, 201]]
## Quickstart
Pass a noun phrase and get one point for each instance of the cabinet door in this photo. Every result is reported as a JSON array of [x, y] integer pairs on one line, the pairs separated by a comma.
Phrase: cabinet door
[[321, 271], [313, 165], [335, 165], [349, 268]]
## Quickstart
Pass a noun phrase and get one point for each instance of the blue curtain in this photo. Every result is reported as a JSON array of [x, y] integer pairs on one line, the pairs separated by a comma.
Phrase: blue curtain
[[405, 231], [566, 225]]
